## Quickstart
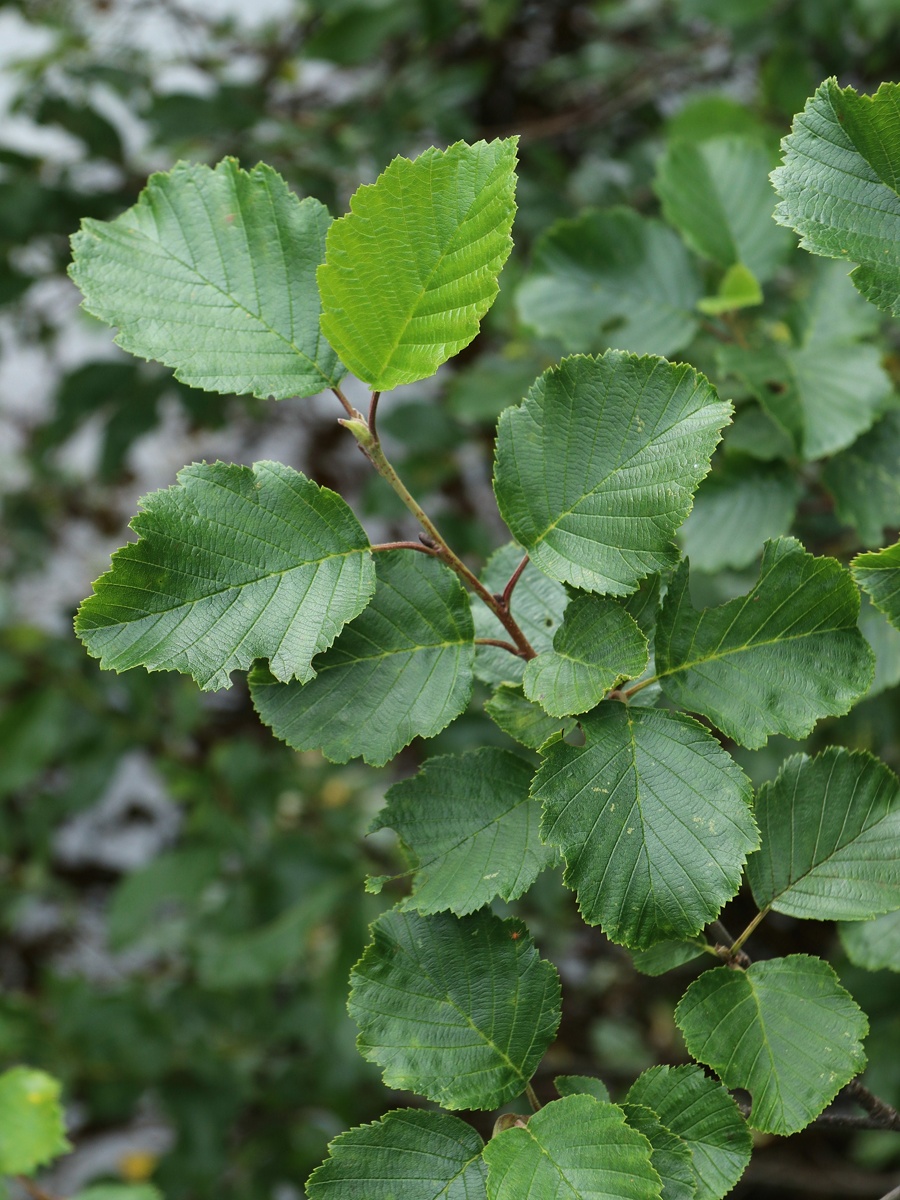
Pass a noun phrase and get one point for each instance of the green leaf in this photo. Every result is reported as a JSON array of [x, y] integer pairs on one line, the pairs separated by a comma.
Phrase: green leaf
[[213, 273], [538, 604], [884, 639], [670, 1157], [717, 194], [865, 481], [523, 720], [703, 1114], [653, 820], [597, 646], [839, 184], [577, 1148], [737, 509], [120, 1191], [581, 1085], [471, 828], [785, 1030], [873, 945], [739, 289], [407, 1155], [460, 1010], [590, 432], [412, 268], [611, 278], [31, 1121], [733, 663], [878, 574], [830, 830], [402, 669], [666, 956], [232, 564]]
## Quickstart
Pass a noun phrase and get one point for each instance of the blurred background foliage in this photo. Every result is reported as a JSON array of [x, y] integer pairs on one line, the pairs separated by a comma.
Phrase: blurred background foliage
[[181, 897]]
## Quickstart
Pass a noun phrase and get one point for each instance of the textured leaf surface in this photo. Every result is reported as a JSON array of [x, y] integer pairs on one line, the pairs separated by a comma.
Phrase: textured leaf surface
[[471, 828], [581, 1085], [840, 184], [402, 669], [407, 1155], [232, 564], [736, 510], [538, 604], [460, 1010], [830, 830], [524, 720], [577, 1148], [878, 574], [703, 1114], [653, 820], [670, 1155], [874, 945], [785, 1030], [597, 646], [31, 1121], [591, 434], [717, 193], [865, 481], [611, 278], [213, 273], [774, 661], [412, 268]]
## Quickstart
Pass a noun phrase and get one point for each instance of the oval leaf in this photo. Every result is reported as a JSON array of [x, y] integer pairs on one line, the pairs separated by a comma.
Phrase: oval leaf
[[213, 273], [458, 1009]]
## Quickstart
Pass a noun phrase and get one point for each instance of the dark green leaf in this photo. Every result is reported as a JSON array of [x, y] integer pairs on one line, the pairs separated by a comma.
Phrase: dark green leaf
[[865, 481], [671, 1157], [523, 720], [736, 510], [581, 1085], [878, 574], [666, 956]]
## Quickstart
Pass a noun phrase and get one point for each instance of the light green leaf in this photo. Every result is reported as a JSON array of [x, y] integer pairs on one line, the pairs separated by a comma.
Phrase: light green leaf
[[839, 184], [865, 481], [878, 574], [213, 273], [739, 289], [120, 1191], [31, 1121], [884, 639], [611, 278], [581, 1085], [538, 604], [412, 268], [666, 956], [785, 1030], [232, 564], [460, 1010], [407, 1155], [830, 830], [590, 432], [471, 828], [873, 945], [523, 720], [671, 1157], [577, 1148], [703, 1114], [773, 661], [402, 669], [717, 194], [653, 820], [597, 646], [737, 509]]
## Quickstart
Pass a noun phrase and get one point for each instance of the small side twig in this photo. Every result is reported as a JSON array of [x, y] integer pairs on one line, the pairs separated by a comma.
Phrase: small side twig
[[507, 592], [499, 642], [878, 1109], [420, 546], [33, 1189]]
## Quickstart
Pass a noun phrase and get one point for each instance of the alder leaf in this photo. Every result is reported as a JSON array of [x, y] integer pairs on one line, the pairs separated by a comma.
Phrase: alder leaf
[[459, 1009], [595, 470], [412, 268], [874, 945], [773, 661], [611, 278], [581, 1085], [31, 1121], [524, 720], [407, 1155], [576, 1148], [670, 1156], [784, 1030], [653, 820], [597, 646], [830, 830], [212, 272], [865, 481], [839, 184], [471, 828], [666, 956], [232, 564], [878, 574], [402, 669], [701, 1112]]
